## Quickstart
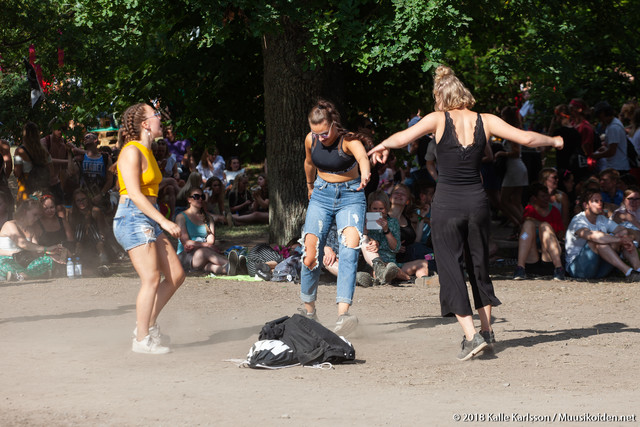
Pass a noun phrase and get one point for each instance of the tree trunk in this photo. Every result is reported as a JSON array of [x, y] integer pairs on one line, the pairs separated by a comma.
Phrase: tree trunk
[[289, 93]]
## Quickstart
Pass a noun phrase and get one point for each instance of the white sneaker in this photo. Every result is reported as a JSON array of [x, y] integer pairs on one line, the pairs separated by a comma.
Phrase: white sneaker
[[346, 324], [154, 333], [148, 346]]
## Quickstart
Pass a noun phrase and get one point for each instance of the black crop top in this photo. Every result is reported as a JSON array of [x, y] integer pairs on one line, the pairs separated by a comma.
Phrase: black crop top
[[458, 164], [331, 159]]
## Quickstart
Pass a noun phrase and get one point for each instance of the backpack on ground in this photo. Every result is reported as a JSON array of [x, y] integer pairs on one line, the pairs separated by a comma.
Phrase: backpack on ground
[[288, 270], [290, 340]]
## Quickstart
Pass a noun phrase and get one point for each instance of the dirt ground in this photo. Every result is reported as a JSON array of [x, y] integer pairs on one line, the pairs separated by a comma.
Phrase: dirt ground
[[565, 349]]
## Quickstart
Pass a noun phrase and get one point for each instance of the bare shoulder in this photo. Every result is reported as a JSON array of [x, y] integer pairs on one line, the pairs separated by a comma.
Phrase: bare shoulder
[[308, 140], [9, 229], [129, 154]]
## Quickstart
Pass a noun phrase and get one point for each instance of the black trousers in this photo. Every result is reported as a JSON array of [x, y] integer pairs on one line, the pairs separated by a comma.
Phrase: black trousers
[[460, 223]]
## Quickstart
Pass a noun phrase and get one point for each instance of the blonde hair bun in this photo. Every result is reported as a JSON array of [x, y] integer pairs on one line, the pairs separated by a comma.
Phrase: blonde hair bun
[[443, 71], [449, 92]]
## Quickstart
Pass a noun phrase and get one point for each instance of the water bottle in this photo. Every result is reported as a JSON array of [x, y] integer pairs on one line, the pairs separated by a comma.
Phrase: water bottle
[[70, 268], [78, 268]]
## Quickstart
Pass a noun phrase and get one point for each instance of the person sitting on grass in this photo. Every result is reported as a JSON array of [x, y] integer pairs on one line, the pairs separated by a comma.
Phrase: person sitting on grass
[[628, 214], [21, 255], [594, 243], [214, 191], [542, 227], [381, 246], [242, 203], [196, 247]]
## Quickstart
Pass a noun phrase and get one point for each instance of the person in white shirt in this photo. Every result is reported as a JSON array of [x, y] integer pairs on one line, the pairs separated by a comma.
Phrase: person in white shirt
[[594, 242], [614, 148]]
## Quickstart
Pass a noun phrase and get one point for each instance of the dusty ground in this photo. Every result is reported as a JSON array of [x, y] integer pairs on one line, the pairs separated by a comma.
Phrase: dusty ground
[[564, 348]]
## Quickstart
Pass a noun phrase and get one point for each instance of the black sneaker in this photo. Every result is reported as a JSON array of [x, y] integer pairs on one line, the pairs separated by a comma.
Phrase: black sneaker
[[558, 273], [364, 279], [519, 273], [471, 348], [242, 265]]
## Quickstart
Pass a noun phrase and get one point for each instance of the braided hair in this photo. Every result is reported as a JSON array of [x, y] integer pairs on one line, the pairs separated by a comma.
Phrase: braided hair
[[132, 120], [325, 111]]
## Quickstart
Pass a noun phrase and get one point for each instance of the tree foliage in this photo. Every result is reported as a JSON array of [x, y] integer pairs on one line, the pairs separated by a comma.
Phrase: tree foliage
[[205, 60]]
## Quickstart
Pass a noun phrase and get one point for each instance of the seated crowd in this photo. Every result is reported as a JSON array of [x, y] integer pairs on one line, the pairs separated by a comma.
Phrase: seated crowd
[[574, 212], [67, 196]]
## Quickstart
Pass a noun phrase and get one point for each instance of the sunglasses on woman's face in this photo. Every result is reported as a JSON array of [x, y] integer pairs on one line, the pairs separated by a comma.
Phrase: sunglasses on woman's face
[[323, 135], [197, 196]]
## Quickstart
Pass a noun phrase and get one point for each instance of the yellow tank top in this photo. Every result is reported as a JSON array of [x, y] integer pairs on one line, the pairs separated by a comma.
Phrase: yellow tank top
[[150, 179]]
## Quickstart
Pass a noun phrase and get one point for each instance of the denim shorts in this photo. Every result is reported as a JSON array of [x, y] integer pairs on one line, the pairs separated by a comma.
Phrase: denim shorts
[[132, 228]]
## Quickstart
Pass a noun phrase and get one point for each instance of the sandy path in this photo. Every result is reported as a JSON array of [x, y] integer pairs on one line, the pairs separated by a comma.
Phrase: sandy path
[[563, 348]]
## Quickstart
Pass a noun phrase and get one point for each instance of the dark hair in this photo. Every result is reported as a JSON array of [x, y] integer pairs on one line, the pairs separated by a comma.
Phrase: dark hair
[[611, 172], [587, 194], [536, 188], [325, 111], [31, 141], [231, 159], [603, 107]]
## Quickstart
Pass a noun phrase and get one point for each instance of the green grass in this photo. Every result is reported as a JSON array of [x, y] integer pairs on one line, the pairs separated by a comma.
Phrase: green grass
[[243, 235]]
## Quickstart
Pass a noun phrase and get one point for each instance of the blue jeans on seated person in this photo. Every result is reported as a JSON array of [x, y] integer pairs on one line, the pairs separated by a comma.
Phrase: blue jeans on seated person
[[342, 203], [589, 265]]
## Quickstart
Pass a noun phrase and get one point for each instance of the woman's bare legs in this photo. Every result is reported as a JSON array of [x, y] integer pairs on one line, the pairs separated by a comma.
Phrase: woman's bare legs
[[150, 261], [209, 260], [252, 218]]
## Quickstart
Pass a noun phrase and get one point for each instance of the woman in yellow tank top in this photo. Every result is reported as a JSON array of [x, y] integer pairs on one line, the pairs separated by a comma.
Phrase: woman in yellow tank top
[[138, 226]]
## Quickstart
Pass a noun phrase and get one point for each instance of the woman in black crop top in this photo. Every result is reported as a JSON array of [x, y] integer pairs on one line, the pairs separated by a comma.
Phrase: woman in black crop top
[[340, 162], [461, 218]]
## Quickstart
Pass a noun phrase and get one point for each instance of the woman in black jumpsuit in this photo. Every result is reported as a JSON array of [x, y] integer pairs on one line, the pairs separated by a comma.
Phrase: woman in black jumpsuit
[[460, 218]]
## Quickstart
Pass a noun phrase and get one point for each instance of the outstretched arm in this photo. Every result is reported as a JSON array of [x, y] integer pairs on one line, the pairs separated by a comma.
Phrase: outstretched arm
[[401, 139], [498, 127]]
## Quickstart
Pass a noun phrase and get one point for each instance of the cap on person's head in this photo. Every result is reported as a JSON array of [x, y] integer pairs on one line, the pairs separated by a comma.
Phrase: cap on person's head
[[603, 107]]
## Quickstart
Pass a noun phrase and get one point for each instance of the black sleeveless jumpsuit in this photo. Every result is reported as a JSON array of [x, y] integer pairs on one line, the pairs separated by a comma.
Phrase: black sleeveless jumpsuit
[[460, 222]]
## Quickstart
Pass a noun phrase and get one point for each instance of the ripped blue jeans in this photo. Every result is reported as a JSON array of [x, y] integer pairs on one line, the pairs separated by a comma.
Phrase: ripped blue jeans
[[342, 203], [132, 228]]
